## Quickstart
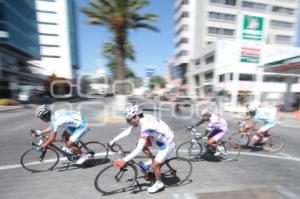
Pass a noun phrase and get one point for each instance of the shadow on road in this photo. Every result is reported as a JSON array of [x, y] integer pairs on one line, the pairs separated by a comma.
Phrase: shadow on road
[[87, 164]]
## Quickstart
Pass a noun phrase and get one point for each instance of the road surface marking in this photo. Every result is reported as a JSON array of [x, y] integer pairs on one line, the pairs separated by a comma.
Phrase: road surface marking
[[24, 126], [7, 167], [284, 157], [284, 191]]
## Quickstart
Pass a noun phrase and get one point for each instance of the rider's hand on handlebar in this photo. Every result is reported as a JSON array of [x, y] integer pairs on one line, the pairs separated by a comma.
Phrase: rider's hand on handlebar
[[38, 132], [190, 127], [119, 163], [110, 144]]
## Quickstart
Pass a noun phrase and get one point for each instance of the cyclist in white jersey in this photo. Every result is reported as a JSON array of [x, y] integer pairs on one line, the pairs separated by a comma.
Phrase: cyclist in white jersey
[[267, 115], [74, 122], [152, 131], [216, 128]]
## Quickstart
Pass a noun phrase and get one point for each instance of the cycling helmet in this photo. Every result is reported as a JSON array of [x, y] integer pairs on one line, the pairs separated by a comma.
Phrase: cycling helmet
[[131, 111], [252, 109], [42, 111], [206, 113]]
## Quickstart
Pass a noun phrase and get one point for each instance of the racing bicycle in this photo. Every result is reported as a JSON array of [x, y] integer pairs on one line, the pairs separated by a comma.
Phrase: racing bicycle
[[45, 160], [197, 147], [174, 171], [272, 144]]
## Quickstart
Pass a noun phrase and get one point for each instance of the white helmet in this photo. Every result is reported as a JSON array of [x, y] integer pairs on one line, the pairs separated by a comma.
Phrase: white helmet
[[252, 108], [42, 111], [131, 111], [207, 112]]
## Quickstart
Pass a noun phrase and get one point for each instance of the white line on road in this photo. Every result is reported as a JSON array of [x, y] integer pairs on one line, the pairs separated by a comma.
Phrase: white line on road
[[21, 127], [272, 156], [14, 166], [190, 196], [285, 157]]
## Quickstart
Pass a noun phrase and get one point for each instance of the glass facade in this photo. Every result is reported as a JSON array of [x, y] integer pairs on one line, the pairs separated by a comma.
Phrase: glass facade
[[73, 34], [18, 18]]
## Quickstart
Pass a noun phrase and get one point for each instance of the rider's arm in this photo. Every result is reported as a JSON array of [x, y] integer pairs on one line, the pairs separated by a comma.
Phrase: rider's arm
[[122, 135], [246, 118], [50, 140], [199, 123], [140, 145], [46, 130]]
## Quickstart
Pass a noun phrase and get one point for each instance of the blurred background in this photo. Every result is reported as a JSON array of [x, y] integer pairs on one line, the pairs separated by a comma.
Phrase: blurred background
[[235, 51]]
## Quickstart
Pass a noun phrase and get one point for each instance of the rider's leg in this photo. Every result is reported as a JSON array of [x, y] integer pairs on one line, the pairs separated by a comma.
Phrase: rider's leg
[[148, 154], [160, 157]]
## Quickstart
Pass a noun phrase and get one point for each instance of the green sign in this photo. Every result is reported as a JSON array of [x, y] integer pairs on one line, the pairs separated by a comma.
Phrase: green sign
[[249, 59], [253, 28]]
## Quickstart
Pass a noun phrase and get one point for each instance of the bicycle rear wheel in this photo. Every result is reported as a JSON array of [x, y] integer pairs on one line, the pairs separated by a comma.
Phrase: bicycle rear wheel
[[113, 180], [231, 151], [38, 161], [176, 171], [96, 149], [273, 144], [189, 150], [241, 138]]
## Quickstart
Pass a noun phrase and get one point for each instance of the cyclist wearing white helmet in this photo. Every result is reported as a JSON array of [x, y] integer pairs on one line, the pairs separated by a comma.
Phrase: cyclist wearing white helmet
[[151, 130], [74, 122], [215, 129], [267, 115]]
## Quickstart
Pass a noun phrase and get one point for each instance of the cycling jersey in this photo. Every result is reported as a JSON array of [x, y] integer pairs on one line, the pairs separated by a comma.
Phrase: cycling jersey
[[266, 114], [216, 122], [154, 130], [64, 118]]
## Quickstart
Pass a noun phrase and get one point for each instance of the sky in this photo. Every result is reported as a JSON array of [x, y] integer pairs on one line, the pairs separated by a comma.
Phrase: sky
[[151, 48]]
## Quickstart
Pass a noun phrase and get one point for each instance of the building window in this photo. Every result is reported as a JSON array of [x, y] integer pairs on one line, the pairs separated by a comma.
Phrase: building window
[[208, 76], [281, 24], [210, 59], [183, 15], [222, 78], [182, 28], [283, 38], [183, 2], [48, 34], [182, 53], [49, 45], [50, 56], [197, 61], [230, 76], [283, 10], [47, 23], [224, 2], [46, 11], [253, 5], [220, 31], [247, 77], [183, 40], [270, 78], [221, 16]]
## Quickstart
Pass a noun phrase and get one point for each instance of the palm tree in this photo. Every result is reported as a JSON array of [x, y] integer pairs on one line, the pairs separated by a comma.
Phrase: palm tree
[[119, 16], [109, 52]]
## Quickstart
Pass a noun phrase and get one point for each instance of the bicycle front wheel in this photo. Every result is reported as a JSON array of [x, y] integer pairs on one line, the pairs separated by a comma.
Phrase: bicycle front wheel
[[38, 161], [231, 151], [189, 150], [96, 149], [273, 144], [241, 138], [176, 171], [113, 180]]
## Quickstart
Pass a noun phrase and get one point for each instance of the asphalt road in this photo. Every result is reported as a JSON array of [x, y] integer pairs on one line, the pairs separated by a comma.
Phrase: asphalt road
[[255, 175]]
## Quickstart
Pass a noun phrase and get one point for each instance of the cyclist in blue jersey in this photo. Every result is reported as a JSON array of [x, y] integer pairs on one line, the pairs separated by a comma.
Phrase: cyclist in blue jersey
[[75, 128], [267, 115]]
